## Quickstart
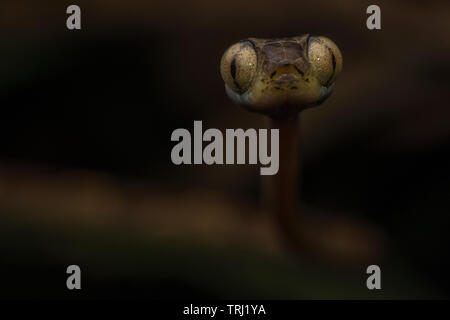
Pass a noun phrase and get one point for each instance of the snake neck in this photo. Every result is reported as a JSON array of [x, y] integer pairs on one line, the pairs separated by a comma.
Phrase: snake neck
[[285, 186]]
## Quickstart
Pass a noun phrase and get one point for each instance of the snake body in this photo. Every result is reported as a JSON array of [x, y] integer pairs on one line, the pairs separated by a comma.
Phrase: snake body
[[280, 78]]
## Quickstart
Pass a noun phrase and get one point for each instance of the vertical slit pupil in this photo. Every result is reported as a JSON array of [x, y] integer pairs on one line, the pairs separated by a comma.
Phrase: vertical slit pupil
[[333, 61], [233, 68]]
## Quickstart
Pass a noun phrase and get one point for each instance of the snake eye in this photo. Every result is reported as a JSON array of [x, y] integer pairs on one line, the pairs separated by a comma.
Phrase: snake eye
[[325, 58], [238, 66]]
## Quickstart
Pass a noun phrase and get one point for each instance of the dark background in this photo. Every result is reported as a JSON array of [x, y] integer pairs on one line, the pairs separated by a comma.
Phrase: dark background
[[85, 170]]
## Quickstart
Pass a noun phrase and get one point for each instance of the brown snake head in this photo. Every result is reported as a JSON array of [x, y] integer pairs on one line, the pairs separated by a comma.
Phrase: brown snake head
[[281, 76]]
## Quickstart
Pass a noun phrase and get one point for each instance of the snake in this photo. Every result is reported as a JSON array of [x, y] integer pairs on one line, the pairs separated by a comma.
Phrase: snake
[[283, 76], [279, 78]]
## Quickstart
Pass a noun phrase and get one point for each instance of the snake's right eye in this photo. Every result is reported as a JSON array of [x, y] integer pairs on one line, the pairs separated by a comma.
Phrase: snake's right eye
[[238, 66]]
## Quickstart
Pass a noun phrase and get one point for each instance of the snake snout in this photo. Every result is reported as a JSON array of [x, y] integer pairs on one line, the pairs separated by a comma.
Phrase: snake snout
[[286, 78]]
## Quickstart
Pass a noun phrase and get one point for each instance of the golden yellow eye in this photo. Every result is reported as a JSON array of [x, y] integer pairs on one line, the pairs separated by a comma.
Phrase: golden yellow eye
[[325, 59], [238, 66]]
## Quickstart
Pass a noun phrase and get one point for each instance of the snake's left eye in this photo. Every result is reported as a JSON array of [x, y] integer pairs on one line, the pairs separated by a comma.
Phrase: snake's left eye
[[238, 66], [325, 59]]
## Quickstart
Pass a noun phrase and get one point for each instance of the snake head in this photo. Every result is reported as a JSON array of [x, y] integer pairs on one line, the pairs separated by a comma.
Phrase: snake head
[[281, 76]]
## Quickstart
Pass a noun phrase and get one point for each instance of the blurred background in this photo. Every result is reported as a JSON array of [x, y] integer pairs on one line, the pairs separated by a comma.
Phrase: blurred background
[[85, 170]]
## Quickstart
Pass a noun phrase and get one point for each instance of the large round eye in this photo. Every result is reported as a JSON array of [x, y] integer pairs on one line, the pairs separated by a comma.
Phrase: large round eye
[[238, 66], [325, 58]]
